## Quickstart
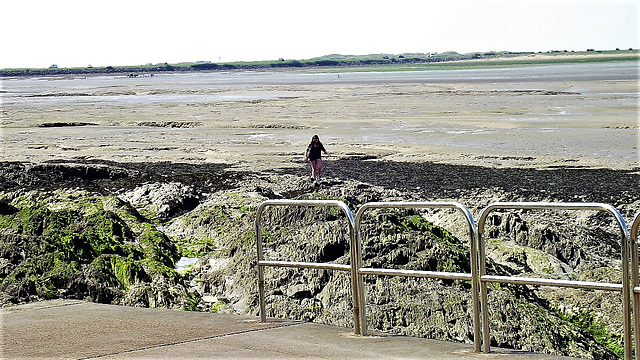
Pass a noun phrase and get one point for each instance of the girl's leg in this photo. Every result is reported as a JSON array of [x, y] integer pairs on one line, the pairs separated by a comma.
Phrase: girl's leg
[[318, 168], [313, 168]]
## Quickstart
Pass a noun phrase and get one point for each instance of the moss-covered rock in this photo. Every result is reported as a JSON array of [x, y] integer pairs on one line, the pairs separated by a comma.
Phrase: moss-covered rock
[[439, 309], [68, 244]]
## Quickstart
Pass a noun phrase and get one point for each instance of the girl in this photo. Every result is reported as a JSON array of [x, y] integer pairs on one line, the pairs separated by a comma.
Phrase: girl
[[314, 156]]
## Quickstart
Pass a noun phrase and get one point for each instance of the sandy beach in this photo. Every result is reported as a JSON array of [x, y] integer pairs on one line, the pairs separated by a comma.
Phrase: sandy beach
[[578, 115]]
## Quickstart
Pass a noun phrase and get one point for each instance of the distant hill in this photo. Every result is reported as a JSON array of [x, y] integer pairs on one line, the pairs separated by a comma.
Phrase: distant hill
[[371, 62]]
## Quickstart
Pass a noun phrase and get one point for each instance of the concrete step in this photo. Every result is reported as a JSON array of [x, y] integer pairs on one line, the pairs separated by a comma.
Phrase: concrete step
[[64, 329]]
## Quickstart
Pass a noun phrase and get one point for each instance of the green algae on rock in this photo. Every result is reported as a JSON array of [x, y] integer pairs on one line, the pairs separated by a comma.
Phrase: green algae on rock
[[134, 263], [74, 244]]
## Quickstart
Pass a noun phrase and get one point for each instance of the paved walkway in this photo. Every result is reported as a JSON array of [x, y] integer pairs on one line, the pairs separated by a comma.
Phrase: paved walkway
[[81, 330]]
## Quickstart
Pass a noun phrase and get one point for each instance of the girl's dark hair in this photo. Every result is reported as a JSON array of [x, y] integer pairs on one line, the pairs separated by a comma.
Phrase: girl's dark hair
[[315, 137]]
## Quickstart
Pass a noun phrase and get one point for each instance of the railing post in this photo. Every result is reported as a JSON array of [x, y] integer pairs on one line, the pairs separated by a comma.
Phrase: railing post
[[635, 280], [263, 316], [352, 253], [624, 287], [486, 339]]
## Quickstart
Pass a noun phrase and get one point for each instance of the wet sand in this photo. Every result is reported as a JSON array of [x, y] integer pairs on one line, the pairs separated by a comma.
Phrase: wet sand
[[578, 115]]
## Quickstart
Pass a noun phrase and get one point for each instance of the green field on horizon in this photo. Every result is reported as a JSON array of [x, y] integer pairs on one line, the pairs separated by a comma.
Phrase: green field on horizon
[[400, 62]]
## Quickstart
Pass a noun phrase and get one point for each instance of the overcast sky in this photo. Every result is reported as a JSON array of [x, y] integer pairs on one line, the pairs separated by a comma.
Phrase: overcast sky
[[115, 32]]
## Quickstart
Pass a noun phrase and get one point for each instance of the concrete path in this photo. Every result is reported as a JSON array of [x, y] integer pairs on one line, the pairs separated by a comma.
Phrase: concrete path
[[80, 330]]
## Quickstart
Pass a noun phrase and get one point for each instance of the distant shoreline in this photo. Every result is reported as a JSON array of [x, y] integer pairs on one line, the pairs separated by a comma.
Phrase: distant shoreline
[[378, 62]]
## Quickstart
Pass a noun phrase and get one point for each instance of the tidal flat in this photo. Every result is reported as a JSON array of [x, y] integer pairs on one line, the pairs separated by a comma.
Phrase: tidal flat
[[532, 116]]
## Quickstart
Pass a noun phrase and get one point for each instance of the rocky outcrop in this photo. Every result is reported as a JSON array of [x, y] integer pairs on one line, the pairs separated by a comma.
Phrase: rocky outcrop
[[519, 317], [113, 232], [161, 201], [73, 244]]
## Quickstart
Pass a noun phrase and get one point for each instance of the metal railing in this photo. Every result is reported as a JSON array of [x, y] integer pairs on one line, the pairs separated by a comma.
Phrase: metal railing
[[473, 277], [623, 287], [635, 242], [308, 265], [479, 279]]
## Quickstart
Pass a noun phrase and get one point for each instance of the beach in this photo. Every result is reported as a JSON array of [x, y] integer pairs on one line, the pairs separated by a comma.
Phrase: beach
[[583, 115]]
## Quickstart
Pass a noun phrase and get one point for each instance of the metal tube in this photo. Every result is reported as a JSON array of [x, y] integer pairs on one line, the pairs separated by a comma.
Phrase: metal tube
[[552, 282], [361, 296], [484, 299], [635, 280], [355, 283], [475, 283], [360, 280], [625, 286], [305, 265], [431, 274], [416, 273], [263, 316], [262, 263], [486, 339]]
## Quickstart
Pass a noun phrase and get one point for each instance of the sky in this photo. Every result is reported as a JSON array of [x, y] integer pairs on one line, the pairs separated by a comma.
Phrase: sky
[[73, 33]]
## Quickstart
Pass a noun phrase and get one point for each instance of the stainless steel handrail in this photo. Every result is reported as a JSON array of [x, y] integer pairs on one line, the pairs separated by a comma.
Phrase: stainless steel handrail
[[418, 273], [309, 265], [478, 277], [635, 242], [624, 287]]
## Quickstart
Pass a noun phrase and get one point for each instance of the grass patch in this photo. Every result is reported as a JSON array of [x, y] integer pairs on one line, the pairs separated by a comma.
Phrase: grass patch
[[585, 320], [485, 64], [196, 248], [371, 62]]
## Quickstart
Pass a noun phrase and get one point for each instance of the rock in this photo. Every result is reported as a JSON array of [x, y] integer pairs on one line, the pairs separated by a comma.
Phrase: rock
[[160, 201], [217, 225], [210, 299], [74, 244]]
